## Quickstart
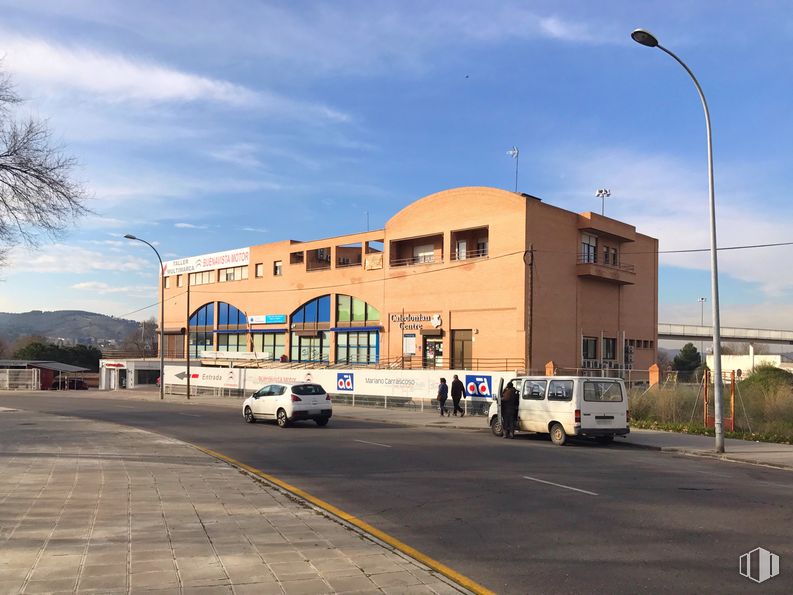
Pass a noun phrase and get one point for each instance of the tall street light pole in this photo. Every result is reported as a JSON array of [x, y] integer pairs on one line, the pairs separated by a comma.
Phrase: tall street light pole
[[129, 236], [646, 38]]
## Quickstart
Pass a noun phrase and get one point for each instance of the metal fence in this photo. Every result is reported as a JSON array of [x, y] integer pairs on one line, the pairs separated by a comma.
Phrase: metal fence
[[20, 379]]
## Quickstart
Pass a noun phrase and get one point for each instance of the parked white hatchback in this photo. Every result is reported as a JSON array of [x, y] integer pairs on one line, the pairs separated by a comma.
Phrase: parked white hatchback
[[286, 403]]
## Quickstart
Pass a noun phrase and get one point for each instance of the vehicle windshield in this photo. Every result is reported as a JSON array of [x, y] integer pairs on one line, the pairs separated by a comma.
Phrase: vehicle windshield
[[308, 389], [602, 391]]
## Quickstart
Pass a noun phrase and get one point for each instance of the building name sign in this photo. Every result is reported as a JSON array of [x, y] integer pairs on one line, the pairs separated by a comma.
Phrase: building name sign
[[415, 322], [207, 262], [267, 319]]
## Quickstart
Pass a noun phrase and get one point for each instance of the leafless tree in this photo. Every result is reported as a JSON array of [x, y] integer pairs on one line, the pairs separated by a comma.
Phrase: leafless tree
[[38, 194]]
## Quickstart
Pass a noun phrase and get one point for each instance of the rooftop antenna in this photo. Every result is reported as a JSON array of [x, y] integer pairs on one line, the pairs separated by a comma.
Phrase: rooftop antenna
[[514, 152], [603, 194]]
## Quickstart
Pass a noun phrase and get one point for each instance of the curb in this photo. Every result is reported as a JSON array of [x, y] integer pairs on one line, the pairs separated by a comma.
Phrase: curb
[[360, 526], [725, 457]]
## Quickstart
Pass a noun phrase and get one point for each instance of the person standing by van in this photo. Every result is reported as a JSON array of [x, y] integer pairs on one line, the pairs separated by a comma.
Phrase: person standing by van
[[443, 394], [509, 410], [458, 392]]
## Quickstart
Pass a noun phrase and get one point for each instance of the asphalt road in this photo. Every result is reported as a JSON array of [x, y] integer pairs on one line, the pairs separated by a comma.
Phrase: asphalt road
[[520, 516]]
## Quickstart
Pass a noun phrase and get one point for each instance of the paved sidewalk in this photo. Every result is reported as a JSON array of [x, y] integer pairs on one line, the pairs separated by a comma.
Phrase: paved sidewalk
[[741, 451], [94, 507]]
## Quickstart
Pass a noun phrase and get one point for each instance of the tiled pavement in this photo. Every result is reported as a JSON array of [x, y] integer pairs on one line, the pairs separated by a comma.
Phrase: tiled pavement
[[93, 507]]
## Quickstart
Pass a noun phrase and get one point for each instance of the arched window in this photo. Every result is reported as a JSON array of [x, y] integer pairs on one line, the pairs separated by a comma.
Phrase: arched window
[[310, 323], [201, 336], [232, 328]]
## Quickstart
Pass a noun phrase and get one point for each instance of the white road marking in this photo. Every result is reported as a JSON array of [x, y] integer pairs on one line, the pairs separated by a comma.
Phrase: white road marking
[[559, 485], [375, 443]]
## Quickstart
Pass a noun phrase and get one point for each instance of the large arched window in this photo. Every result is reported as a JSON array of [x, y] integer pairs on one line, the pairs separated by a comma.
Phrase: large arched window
[[310, 337], [357, 331], [201, 336], [232, 328]]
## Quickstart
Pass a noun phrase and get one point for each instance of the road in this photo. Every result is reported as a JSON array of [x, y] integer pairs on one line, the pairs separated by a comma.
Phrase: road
[[517, 516]]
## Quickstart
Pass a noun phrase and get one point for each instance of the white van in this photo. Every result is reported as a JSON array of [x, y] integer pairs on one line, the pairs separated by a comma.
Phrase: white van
[[565, 406]]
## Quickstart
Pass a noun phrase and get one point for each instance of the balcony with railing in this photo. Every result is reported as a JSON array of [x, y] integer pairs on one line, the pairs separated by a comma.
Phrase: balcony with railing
[[468, 244], [590, 266], [425, 250], [318, 259]]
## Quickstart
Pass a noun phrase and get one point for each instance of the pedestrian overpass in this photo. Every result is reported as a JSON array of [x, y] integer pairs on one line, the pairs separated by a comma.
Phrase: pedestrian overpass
[[696, 332]]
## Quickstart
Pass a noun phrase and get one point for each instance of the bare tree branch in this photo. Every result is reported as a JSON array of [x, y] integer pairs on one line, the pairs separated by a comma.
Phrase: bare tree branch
[[38, 194]]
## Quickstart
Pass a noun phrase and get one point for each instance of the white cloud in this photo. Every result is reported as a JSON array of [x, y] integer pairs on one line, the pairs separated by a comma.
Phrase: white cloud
[[94, 73], [103, 288], [63, 258], [255, 229], [241, 154], [114, 76], [190, 226]]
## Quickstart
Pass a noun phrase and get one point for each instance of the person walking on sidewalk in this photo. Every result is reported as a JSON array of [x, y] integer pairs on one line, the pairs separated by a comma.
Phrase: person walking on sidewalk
[[509, 410], [458, 392], [443, 394]]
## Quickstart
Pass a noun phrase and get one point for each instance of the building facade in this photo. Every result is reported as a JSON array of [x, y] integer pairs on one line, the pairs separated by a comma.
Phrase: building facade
[[465, 278]]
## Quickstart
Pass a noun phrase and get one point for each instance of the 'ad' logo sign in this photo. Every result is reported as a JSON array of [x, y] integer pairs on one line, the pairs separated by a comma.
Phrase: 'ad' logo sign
[[345, 381], [477, 386]]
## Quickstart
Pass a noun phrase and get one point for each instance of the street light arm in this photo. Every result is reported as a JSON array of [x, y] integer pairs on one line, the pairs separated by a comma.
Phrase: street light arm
[[162, 313]]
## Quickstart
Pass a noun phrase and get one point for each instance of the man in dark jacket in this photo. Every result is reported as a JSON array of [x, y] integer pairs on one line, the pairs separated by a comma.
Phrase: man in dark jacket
[[458, 392], [509, 410]]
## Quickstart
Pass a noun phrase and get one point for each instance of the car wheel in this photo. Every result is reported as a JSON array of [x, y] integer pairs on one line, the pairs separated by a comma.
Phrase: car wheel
[[281, 419], [608, 439], [322, 421], [249, 416], [495, 427], [558, 435]]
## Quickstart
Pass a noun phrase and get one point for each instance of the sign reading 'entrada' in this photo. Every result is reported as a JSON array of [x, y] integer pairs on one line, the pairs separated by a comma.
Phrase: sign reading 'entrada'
[[414, 322]]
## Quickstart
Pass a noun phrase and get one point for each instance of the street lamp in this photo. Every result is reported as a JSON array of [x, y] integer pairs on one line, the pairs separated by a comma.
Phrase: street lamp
[[648, 39], [129, 236]]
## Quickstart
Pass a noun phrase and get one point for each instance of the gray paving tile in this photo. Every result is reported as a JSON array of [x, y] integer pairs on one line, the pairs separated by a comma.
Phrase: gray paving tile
[[158, 580], [103, 583], [394, 579], [344, 584], [305, 587], [259, 588], [50, 586]]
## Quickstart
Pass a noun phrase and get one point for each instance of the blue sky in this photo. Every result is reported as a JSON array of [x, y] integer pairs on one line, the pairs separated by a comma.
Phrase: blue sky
[[207, 126]]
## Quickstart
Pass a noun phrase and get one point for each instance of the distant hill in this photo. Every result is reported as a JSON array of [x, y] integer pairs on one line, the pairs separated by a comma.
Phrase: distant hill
[[71, 326]]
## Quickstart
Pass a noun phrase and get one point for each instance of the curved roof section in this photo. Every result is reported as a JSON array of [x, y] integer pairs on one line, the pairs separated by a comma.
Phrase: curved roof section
[[436, 204]]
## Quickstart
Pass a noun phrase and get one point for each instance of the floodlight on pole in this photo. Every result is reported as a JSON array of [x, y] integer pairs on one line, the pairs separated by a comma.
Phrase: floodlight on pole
[[646, 38], [514, 152], [129, 236], [603, 194]]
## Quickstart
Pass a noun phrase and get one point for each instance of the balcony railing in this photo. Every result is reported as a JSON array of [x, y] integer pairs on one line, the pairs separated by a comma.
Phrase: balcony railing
[[584, 258], [343, 262], [415, 260], [470, 254]]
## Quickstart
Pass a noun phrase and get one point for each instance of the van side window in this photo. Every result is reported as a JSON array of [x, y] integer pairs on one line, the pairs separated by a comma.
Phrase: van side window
[[602, 391], [534, 389], [560, 390]]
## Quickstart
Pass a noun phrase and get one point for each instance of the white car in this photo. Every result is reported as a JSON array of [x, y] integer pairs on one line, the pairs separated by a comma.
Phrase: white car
[[286, 403]]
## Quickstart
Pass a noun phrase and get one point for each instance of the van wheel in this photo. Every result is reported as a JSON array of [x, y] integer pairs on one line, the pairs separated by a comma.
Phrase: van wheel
[[558, 435], [495, 427], [322, 421], [608, 439], [249, 416], [281, 419]]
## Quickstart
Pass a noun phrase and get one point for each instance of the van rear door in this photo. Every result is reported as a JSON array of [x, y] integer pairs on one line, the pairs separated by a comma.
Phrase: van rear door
[[604, 406]]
